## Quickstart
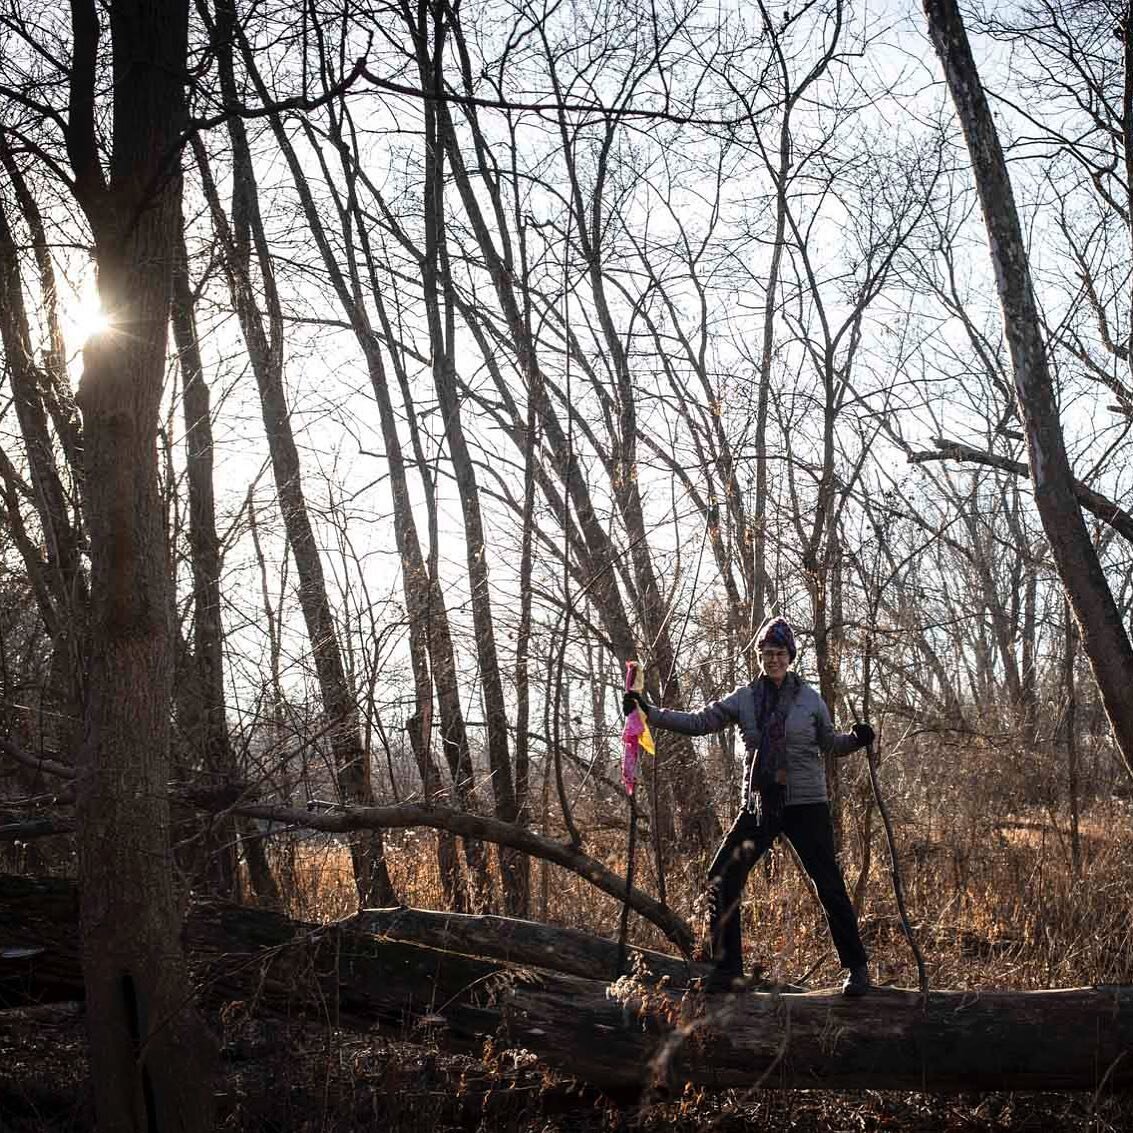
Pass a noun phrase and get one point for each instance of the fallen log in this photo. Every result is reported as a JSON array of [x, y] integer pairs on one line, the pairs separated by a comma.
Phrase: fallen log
[[628, 1036], [522, 942]]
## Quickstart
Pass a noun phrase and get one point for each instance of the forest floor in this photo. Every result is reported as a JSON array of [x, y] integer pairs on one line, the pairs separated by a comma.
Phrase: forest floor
[[996, 902], [304, 1079]]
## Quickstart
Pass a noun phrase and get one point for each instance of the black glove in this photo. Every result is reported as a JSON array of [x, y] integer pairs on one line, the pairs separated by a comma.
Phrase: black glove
[[864, 734], [633, 700]]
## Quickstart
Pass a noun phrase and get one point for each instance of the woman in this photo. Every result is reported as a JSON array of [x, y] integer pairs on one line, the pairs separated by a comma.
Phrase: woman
[[786, 729]]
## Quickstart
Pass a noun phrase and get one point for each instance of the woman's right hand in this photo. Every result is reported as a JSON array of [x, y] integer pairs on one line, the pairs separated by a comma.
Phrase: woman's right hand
[[632, 700]]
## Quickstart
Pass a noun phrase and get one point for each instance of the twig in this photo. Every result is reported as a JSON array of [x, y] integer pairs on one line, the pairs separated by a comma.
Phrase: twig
[[895, 871]]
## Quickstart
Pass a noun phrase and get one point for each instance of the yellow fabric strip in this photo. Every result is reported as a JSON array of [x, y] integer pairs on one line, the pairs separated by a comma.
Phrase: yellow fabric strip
[[646, 737]]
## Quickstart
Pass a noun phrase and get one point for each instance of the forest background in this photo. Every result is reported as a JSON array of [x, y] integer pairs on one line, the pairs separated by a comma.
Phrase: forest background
[[380, 378]]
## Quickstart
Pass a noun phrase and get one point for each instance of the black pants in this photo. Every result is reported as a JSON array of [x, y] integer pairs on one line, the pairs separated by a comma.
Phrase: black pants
[[809, 830]]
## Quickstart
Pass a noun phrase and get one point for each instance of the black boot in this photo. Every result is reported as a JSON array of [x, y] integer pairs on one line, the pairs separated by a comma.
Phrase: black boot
[[857, 983]]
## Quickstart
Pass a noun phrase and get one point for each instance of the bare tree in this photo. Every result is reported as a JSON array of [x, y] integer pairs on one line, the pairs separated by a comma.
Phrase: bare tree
[[440, 307], [202, 700], [40, 391], [1104, 637], [355, 276], [240, 239], [150, 1057]]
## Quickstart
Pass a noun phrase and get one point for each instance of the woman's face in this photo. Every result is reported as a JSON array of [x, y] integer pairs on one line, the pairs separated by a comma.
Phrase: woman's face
[[775, 662]]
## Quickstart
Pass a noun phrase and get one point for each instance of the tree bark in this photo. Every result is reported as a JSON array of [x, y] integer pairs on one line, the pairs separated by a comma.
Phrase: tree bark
[[517, 941], [1104, 637], [151, 1059]]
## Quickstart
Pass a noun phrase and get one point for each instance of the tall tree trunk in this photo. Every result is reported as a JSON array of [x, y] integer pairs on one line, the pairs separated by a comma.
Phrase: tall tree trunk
[[689, 786], [1028, 676], [151, 1060], [64, 582], [58, 396], [1104, 636], [597, 558], [689, 792], [1070, 724], [440, 311], [208, 724], [265, 350], [523, 665], [781, 175], [1003, 627]]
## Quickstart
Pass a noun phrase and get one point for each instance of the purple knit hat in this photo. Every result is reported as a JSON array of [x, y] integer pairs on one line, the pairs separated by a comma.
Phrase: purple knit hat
[[776, 631]]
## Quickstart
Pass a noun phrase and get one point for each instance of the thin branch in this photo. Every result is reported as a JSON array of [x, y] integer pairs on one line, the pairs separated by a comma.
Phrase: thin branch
[[268, 108], [1094, 502], [558, 106]]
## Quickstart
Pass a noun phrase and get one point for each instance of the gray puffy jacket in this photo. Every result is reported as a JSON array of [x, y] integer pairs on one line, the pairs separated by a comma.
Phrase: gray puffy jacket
[[810, 733]]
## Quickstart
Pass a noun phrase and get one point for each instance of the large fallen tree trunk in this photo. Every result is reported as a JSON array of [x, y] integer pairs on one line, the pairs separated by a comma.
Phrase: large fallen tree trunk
[[624, 1037]]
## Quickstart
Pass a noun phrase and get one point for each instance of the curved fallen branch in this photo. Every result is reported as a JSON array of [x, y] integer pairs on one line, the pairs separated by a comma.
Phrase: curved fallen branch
[[467, 825], [344, 820]]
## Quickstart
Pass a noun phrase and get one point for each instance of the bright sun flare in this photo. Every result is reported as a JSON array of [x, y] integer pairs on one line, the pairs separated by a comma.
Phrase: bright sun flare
[[91, 320]]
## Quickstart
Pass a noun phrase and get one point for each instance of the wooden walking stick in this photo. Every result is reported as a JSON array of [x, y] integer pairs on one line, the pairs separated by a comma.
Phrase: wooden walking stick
[[887, 822]]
